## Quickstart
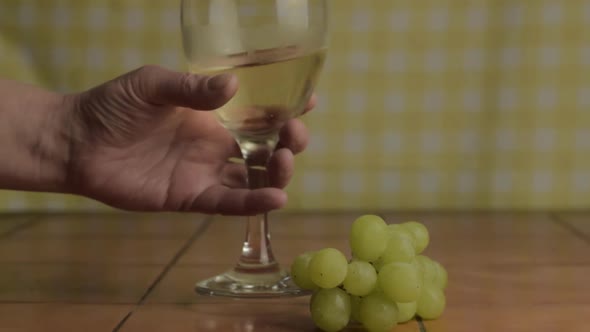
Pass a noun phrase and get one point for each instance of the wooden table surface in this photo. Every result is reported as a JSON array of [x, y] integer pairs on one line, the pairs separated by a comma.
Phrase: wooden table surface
[[134, 272]]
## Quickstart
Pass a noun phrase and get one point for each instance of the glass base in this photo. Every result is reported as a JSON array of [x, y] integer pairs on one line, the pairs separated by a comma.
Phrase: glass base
[[250, 285]]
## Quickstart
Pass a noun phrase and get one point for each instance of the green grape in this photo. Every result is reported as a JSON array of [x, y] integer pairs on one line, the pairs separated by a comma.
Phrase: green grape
[[406, 311], [368, 237], [431, 271], [328, 268], [377, 289], [398, 230], [378, 313], [355, 307], [399, 249], [400, 282], [420, 276], [420, 234], [330, 309], [378, 264], [431, 303], [427, 269], [442, 276], [300, 272], [355, 259], [360, 278]]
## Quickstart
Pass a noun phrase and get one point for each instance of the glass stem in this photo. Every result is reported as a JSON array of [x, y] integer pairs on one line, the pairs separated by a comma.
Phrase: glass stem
[[257, 256]]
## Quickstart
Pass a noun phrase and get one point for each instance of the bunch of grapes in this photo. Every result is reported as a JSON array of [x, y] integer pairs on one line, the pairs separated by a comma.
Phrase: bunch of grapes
[[386, 282]]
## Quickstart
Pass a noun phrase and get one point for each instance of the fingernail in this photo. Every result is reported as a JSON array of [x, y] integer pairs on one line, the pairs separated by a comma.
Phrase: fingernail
[[218, 82]]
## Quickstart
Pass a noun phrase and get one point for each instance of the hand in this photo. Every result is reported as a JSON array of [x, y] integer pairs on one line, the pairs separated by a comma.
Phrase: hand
[[146, 141]]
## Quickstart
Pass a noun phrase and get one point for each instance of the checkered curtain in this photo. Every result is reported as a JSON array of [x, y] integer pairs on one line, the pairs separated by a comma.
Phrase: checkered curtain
[[423, 104]]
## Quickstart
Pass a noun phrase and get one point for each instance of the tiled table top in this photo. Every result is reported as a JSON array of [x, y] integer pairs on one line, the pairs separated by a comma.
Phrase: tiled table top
[[135, 272]]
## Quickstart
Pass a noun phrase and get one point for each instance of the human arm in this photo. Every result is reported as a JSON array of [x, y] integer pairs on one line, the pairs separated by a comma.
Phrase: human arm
[[142, 141], [33, 137]]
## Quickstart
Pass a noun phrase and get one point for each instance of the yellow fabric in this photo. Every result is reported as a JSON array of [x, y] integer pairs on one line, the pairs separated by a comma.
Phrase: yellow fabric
[[424, 104]]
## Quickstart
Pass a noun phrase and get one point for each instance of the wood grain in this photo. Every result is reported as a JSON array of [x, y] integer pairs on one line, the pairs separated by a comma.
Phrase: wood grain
[[514, 272]]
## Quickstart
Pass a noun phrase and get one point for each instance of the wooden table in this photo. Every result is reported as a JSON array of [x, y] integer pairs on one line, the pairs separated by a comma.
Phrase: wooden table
[[131, 272]]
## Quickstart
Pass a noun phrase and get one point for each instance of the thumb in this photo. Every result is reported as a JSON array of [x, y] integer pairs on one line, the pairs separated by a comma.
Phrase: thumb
[[158, 85]]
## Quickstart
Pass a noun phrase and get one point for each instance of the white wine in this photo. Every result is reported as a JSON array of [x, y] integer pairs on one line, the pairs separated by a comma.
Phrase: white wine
[[270, 93], [276, 50]]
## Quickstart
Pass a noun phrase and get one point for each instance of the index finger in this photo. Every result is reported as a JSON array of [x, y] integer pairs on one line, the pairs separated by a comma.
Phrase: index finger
[[311, 104], [238, 202]]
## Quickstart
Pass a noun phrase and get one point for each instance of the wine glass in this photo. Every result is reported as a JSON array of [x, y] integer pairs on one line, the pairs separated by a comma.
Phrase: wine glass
[[276, 49]]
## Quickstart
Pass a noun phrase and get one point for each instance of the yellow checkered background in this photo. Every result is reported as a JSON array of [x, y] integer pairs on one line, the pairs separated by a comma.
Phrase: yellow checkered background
[[424, 103]]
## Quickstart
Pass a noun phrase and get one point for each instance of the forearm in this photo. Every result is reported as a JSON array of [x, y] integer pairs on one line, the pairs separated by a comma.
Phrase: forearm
[[33, 138]]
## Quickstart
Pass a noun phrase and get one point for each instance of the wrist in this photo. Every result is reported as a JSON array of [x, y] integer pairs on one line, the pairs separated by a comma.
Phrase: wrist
[[34, 133], [53, 147]]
